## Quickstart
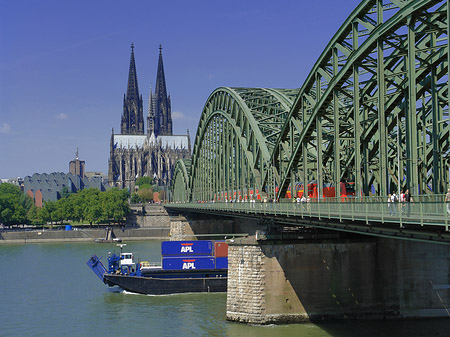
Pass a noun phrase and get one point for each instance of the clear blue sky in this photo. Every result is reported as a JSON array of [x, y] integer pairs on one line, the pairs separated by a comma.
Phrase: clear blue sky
[[64, 65]]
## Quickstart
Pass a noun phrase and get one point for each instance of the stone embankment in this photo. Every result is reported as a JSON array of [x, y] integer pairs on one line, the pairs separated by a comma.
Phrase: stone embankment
[[148, 216], [145, 222], [86, 235]]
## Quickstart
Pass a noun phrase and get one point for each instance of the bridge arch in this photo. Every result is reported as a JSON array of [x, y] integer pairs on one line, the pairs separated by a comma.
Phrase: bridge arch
[[236, 135], [374, 109], [180, 182], [373, 112]]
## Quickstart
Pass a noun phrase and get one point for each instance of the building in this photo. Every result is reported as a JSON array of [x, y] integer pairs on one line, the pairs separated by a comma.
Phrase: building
[[76, 166], [135, 154], [51, 186], [18, 181], [42, 186]]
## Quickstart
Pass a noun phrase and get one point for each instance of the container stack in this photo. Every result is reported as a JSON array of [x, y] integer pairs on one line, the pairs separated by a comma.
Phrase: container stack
[[201, 254]]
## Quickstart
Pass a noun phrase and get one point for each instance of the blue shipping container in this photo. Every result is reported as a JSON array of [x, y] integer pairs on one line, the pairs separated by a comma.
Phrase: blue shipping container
[[183, 248], [188, 262], [221, 262]]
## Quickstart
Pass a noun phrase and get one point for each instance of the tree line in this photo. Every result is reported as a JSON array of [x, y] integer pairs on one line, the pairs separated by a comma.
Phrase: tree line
[[88, 205]]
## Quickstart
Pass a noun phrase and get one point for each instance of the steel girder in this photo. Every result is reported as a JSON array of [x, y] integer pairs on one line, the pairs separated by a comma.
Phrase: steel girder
[[374, 109]]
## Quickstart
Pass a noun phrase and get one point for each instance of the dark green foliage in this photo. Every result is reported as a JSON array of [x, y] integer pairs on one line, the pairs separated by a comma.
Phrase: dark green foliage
[[65, 192], [135, 199], [88, 205], [144, 181], [14, 205]]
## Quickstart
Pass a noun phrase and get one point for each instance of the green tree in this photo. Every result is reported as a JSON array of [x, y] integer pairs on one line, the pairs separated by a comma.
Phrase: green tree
[[49, 211], [14, 205], [144, 181], [44, 215], [90, 203], [145, 193], [33, 216], [114, 205], [77, 207], [135, 199], [64, 192]]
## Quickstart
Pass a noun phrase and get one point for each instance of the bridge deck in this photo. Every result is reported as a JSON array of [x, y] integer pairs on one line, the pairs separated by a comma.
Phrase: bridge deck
[[425, 221]]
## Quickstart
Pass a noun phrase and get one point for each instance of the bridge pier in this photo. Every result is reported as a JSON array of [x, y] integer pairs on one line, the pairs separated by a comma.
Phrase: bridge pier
[[274, 281], [192, 226], [189, 228]]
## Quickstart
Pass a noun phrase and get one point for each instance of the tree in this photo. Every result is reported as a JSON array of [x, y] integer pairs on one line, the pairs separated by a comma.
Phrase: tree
[[114, 205], [135, 199], [144, 181], [33, 216], [145, 193], [14, 205], [64, 192], [162, 195], [44, 215]]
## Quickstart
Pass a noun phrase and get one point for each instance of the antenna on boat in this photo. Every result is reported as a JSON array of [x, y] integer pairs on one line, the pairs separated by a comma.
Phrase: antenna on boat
[[121, 245]]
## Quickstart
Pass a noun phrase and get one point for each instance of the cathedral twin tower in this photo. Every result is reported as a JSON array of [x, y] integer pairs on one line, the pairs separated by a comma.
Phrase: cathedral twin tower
[[135, 154], [159, 119]]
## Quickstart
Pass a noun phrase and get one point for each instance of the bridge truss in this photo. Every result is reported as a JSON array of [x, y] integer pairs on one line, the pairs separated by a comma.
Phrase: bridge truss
[[373, 112]]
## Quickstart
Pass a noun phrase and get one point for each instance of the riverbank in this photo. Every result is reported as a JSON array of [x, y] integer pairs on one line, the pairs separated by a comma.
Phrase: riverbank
[[81, 235]]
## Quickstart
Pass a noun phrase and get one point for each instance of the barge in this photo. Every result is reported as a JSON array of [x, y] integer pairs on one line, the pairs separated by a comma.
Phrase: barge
[[186, 266]]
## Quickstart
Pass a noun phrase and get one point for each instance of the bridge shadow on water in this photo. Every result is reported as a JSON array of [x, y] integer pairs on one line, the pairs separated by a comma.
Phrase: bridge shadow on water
[[385, 328]]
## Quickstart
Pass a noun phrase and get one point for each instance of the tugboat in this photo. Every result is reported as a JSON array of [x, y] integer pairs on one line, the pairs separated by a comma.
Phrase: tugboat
[[186, 266]]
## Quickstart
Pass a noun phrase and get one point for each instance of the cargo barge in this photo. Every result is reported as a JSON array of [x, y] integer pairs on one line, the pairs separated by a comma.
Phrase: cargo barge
[[186, 266]]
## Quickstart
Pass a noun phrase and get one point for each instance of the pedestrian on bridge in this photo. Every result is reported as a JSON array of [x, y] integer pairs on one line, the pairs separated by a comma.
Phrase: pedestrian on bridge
[[394, 200], [390, 205], [447, 200], [408, 201]]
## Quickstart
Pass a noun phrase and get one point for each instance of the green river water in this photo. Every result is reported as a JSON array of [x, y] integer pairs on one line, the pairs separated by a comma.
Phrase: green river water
[[48, 290]]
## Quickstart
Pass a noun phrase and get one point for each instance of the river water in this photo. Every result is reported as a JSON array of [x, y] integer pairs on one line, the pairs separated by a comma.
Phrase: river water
[[48, 290]]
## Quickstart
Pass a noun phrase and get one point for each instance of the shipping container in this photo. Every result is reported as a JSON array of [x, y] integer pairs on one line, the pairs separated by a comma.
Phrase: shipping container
[[184, 248], [188, 262], [221, 262], [220, 249]]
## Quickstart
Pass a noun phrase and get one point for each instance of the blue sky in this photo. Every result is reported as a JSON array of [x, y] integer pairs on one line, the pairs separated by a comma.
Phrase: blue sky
[[64, 65]]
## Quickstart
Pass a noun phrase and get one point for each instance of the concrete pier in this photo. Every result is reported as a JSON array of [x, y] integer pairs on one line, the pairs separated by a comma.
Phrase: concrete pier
[[293, 281]]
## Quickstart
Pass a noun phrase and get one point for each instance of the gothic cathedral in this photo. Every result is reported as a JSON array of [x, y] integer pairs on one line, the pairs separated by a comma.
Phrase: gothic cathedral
[[133, 153]]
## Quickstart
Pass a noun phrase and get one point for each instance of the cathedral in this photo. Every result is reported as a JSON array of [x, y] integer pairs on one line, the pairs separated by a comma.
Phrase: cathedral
[[134, 153]]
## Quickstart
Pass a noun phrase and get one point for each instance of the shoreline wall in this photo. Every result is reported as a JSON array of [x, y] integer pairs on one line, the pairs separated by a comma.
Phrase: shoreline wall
[[82, 235]]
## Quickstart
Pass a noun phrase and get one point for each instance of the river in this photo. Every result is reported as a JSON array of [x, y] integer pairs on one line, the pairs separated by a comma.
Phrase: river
[[47, 290]]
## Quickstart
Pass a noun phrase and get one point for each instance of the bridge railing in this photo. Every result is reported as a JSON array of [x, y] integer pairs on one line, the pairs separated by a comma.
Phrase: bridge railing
[[423, 210]]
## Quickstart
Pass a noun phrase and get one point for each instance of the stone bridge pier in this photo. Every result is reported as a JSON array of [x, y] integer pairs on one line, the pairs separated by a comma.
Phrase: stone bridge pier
[[279, 281]]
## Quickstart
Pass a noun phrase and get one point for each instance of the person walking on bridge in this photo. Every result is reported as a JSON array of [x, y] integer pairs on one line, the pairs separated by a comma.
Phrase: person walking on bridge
[[447, 200], [408, 201], [390, 204], [394, 200]]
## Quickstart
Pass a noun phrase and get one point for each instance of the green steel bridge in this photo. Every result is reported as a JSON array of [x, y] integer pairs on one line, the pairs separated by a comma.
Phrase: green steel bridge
[[371, 119]]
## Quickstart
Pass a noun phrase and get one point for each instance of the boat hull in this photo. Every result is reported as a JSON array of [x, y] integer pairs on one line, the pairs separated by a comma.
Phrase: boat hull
[[163, 286]]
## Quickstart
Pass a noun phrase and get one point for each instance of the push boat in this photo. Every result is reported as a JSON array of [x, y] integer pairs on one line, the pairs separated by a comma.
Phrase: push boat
[[186, 266]]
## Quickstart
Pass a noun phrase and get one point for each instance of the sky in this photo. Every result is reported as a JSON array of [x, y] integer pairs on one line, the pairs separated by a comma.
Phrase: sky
[[64, 66]]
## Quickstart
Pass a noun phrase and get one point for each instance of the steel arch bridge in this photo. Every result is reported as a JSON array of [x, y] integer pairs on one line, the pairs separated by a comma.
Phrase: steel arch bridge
[[372, 112]]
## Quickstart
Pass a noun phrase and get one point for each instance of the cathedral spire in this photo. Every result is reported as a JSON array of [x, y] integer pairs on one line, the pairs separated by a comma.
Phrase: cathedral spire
[[133, 116], [163, 118], [132, 90], [160, 89]]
